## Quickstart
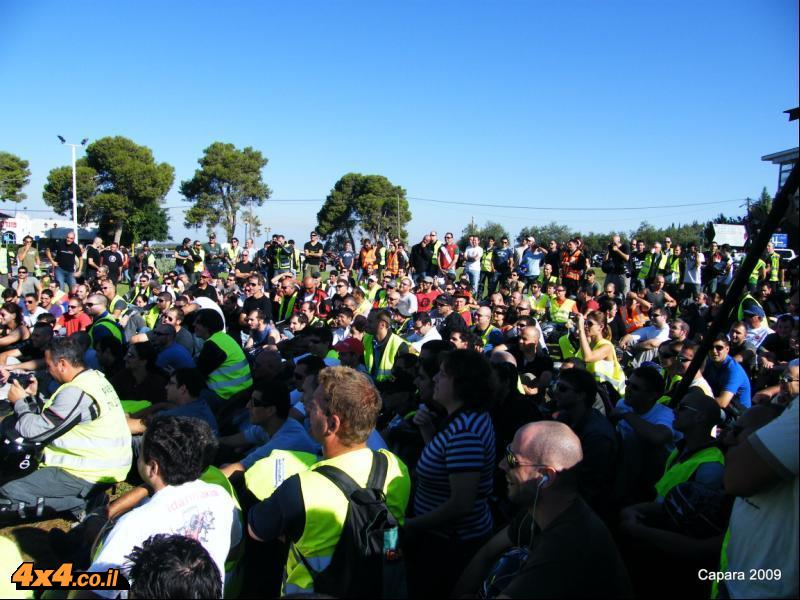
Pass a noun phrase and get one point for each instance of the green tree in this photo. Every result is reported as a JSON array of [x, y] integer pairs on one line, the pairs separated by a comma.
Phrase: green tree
[[57, 192], [544, 233], [364, 204], [254, 225], [14, 176], [227, 180], [490, 229]]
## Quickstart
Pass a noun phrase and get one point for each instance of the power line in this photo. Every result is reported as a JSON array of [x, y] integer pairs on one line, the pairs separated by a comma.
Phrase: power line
[[581, 208]]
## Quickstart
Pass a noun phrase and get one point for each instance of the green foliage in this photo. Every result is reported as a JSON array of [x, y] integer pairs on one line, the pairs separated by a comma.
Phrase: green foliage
[[120, 185], [490, 229], [365, 204], [227, 180], [57, 192], [544, 233], [14, 175], [254, 225]]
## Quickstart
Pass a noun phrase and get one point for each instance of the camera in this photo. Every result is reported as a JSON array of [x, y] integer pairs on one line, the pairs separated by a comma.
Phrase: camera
[[24, 379]]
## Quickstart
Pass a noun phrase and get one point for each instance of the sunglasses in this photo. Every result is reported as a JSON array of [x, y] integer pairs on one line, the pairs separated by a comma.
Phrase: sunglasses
[[684, 359], [88, 304], [513, 463], [73, 307], [30, 301], [787, 378], [718, 347]]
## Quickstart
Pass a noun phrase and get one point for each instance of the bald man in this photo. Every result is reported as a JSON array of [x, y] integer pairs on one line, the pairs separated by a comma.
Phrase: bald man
[[561, 534]]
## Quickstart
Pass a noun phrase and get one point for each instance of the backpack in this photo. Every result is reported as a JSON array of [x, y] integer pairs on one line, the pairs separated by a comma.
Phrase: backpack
[[367, 562]]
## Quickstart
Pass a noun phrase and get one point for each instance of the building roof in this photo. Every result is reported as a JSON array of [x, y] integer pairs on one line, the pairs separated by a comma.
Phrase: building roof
[[784, 156]]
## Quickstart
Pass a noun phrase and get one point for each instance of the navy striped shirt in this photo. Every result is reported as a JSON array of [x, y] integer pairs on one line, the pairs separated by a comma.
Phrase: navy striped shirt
[[466, 444]]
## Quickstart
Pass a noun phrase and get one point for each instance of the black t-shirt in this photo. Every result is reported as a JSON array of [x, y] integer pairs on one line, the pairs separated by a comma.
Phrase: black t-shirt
[[252, 303], [92, 254], [65, 255], [540, 364], [317, 247], [574, 557], [112, 260], [209, 292], [246, 268], [782, 347], [657, 299], [620, 264]]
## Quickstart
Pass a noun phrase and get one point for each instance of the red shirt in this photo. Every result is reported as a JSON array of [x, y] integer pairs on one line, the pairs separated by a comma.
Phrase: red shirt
[[80, 322], [425, 301]]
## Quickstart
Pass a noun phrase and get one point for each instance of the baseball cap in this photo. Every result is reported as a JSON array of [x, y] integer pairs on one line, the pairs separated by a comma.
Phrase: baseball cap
[[427, 279], [372, 278], [754, 311], [391, 284], [443, 299], [350, 344]]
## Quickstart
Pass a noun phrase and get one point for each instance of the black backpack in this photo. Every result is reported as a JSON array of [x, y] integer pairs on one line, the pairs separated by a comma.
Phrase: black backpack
[[367, 562]]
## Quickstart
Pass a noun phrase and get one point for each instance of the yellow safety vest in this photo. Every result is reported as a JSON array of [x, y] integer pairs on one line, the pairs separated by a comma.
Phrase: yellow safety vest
[[328, 506], [560, 314], [670, 385], [110, 323], [485, 335], [233, 375], [435, 257], [723, 562], [3, 260], [384, 371], [740, 310], [113, 302], [539, 304], [486, 261], [268, 473], [151, 317], [774, 262], [676, 473], [97, 451], [606, 370], [567, 349], [286, 307], [133, 406], [754, 276]]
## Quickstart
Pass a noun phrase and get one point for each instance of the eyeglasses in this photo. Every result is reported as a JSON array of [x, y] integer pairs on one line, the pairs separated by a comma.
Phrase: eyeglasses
[[88, 304], [340, 285], [560, 290], [687, 407], [513, 463], [787, 378], [719, 347], [161, 300], [30, 301], [684, 359], [73, 307]]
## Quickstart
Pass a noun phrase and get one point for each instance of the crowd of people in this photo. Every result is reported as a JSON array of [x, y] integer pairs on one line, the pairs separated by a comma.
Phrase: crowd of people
[[514, 409]]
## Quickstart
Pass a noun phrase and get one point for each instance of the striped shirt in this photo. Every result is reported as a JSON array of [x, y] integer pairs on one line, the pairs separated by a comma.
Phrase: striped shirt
[[465, 445]]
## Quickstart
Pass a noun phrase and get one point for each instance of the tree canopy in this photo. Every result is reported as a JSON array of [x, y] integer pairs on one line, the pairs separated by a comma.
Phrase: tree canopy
[[14, 176], [227, 181], [490, 229], [364, 204], [120, 185]]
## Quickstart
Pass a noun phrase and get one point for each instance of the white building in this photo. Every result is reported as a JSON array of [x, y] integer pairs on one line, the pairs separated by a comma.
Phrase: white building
[[17, 226]]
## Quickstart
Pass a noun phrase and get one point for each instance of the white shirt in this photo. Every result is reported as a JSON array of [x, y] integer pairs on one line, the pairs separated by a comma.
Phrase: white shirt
[[407, 305], [199, 510], [473, 257], [763, 527], [30, 319], [418, 341], [757, 336], [694, 269], [204, 302]]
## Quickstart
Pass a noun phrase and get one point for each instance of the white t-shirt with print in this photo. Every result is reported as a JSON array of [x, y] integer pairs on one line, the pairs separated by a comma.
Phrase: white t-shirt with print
[[472, 257], [199, 510], [693, 269]]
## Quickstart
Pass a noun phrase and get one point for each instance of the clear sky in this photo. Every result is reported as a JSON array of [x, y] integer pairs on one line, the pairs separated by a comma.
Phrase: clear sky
[[531, 104]]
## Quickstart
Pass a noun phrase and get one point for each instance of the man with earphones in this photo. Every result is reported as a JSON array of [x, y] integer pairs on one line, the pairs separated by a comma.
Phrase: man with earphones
[[570, 552]]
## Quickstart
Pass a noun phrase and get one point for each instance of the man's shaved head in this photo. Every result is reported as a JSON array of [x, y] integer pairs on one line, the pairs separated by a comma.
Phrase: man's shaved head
[[549, 443]]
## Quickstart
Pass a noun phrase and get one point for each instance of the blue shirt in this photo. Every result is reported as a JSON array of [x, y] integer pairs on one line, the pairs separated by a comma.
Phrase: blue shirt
[[199, 409], [532, 259], [501, 257], [728, 377], [660, 414], [291, 436], [347, 259], [174, 357]]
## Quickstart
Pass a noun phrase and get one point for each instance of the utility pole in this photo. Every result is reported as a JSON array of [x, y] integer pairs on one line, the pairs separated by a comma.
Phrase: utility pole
[[74, 184], [398, 216], [472, 225]]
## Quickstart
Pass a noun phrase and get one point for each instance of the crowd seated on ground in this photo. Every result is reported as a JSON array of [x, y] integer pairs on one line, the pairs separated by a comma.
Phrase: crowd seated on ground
[[523, 419]]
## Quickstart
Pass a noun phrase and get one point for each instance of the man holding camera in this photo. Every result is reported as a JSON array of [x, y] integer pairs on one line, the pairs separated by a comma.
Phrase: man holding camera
[[616, 260], [87, 443]]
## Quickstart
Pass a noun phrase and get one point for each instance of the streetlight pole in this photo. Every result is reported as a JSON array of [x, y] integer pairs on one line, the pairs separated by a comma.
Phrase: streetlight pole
[[74, 184]]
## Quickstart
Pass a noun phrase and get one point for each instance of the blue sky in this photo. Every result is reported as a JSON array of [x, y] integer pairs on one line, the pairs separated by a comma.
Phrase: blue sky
[[530, 104]]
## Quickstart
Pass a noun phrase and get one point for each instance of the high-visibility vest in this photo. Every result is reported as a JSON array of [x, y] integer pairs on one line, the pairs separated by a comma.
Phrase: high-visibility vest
[[233, 375], [328, 506], [740, 310], [608, 370], [384, 370], [370, 293], [774, 266], [676, 473], [381, 256], [723, 562], [653, 266], [3, 260], [673, 264], [98, 451], [755, 275], [435, 257], [560, 314], [539, 304], [283, 258], [286, 307], [541, 280], [670, 385], [108, 322], [486, 261], [268, 473], [151, 317], [234, 571], [113, 302], [485, 335], [364, 308], [567, 349]]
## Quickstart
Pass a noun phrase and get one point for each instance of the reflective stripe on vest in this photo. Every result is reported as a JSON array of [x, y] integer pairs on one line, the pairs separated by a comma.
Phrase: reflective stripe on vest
[[113, 303], [233, 375], [435, 258], [740, 310], [673, 381], [384, 370], [97, 451], [328, 506], [486, 261], [676, 473], [286, 309], [268, 473], [755, 275], [608, 370], [560, 314], [485, 335]]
